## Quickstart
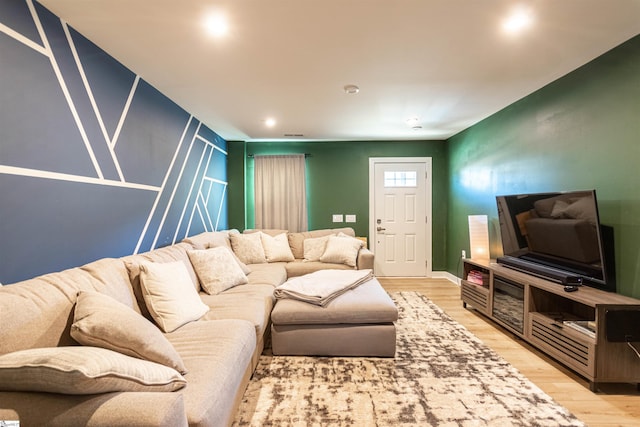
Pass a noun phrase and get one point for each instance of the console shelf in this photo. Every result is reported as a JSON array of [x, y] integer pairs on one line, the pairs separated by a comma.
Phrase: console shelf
[[571, 327]]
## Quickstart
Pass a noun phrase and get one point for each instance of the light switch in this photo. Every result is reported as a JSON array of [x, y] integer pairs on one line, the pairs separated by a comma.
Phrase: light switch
[[337, 218], [350, 218]]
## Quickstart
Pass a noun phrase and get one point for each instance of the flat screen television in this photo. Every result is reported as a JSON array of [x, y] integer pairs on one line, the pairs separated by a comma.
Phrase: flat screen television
[[557, 236]]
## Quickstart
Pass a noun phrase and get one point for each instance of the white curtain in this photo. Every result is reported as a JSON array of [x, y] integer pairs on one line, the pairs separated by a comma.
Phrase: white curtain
[[280, 192]]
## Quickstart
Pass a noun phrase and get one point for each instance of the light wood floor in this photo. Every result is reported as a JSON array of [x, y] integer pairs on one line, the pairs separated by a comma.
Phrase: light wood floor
[[612, 405]]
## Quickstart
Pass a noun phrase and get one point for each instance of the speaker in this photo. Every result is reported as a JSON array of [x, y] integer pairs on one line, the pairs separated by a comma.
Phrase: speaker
[[623, 325]]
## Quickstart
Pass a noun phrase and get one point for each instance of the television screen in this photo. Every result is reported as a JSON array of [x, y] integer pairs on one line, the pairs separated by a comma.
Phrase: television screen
[[556, 232]]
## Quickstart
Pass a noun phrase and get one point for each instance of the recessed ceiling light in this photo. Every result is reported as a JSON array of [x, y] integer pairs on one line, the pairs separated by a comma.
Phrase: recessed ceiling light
[[270, 122], [351, 89], [520, 19], [216, 24]]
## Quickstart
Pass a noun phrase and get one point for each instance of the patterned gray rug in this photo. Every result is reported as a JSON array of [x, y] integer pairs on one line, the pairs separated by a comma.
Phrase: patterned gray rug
[[442, 375]]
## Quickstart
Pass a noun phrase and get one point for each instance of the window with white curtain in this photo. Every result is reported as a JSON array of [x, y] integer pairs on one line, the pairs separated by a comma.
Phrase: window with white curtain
[[280, 192]]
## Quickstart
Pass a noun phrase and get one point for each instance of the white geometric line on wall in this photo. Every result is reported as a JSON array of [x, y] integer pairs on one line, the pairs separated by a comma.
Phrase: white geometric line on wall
[[206, 141], [63, 86], [190, 192], [212, 180], [199, 193], [206, 219], [202, 219], [175, 190], [199, 206], [198, 196], [162, 188], [22, 39], [203, 204], [224, 194], [37, 173], [125, 111], [94, 104]]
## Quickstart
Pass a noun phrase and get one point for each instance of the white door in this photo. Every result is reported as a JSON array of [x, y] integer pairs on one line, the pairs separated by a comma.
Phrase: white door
[[400, 227]]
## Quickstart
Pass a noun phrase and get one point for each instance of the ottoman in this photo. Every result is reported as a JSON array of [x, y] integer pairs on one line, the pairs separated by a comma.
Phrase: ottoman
[[357, 323]]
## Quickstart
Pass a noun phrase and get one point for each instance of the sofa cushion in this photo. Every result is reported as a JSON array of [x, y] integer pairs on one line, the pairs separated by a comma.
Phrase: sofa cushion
[[124, 409], [273, 274], [217, 269], [209, 239], [270, 231], [170, 253], [244, 267], [166, 254], [218, 355], [248, 247], [276, 249], [342, 250], [296, 240], [314, 248], [248, 302], [581, 208], [83, 370], [101, 321], [169, 294]]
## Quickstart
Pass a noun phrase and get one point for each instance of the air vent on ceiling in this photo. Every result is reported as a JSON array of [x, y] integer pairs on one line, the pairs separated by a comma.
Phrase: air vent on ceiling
[[294, 134]]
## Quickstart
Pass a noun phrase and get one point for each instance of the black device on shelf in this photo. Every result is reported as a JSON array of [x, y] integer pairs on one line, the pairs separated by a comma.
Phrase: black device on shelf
[[557, 236]]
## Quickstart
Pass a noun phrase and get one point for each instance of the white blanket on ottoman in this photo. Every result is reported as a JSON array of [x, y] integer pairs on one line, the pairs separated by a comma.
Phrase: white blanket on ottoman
[[323, 286]]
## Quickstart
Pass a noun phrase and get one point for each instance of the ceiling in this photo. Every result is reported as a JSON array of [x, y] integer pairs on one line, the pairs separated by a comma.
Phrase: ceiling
[[448, 63]]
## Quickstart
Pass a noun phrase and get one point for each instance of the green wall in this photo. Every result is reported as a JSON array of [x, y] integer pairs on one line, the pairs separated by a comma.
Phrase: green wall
[[338, 181], [579, 132]]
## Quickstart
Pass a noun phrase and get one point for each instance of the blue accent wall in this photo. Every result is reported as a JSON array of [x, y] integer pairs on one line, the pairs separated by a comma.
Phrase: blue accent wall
[[94, 161]]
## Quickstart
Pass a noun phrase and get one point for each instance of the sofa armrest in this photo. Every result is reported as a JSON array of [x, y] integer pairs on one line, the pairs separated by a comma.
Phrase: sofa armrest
[[365, 259]]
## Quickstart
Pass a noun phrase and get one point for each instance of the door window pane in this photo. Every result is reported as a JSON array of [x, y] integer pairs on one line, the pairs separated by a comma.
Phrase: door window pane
[[400, 179]]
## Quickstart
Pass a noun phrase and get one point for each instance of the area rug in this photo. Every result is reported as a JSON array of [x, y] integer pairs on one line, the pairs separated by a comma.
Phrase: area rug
[[442, 375]]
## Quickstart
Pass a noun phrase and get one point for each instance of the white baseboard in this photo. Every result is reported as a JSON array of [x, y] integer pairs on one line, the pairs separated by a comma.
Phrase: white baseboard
[[445, 275]]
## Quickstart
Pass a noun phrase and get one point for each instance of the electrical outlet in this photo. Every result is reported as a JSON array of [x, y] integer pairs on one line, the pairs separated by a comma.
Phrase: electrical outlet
[[337, 218], [464, 254]]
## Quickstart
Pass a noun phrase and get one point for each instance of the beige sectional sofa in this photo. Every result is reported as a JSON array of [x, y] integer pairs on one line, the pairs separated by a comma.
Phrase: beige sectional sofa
[[41, 320]]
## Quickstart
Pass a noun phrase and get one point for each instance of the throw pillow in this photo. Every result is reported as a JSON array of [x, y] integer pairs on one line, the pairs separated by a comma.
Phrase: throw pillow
[[169, 294], [245, 269], [217, 269], [276, 248], [342, 250], [559, 208], [101, 321], [582, 208], [83, 370], [248, 247], [314, 248]]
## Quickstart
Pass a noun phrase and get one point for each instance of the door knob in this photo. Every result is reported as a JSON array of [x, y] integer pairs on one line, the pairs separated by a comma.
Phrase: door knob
[[380, 229]]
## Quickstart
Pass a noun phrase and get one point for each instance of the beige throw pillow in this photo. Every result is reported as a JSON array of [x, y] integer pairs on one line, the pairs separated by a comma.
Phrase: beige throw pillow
[[217, 269], [169, 294], [83, 370], [314, 248], [101, 321], [342, 250], [248, 247], [245, 269], [276, 248]]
